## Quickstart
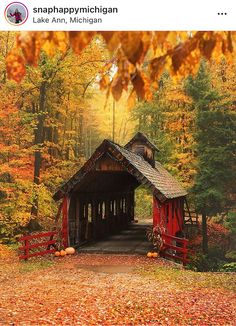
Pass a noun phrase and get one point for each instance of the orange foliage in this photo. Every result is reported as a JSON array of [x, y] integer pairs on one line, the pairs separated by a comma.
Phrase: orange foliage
[[177, 52]]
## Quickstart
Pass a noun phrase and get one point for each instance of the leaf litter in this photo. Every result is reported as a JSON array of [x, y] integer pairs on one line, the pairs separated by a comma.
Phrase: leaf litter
[[94, 289]]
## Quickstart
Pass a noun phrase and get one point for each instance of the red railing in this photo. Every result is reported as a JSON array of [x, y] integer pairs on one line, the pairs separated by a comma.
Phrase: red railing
[[175, 248], [26, 248]]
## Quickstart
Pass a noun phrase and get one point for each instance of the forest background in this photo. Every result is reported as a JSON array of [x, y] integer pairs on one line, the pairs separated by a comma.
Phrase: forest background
[[60, 99]]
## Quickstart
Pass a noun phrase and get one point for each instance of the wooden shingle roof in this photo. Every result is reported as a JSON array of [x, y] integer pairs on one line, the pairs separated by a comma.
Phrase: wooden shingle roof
[[162, 184], [141, 137]]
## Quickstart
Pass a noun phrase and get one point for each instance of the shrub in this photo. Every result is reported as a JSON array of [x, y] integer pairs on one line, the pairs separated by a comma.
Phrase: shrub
[[204, 263], [218, 240], [216, 252], [231, 255], [230, 267]]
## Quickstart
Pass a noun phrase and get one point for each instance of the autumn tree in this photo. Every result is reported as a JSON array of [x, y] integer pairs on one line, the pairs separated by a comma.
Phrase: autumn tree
[[169, 121], [215, 148], [58, 91], [41, 117], [59, 104]]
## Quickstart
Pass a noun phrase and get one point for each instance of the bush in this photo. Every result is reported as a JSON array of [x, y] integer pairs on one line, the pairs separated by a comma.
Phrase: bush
[[216, 252], [219, 241], [231, 255], [230, 267], [205, 263]]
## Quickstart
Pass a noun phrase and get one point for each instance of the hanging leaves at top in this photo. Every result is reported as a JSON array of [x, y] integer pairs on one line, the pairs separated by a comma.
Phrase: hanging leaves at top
[[140, 57]]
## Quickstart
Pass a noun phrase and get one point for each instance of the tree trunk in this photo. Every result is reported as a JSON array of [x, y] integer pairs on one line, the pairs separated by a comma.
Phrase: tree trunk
[[204, 234], [38, 142], [81, 150]]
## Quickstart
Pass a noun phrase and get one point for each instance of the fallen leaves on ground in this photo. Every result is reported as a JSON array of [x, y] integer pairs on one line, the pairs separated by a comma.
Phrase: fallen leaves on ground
[[113, 290]]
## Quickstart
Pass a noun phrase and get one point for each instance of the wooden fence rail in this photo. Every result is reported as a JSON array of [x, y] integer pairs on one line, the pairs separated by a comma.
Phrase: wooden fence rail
[[46, 244], [175, 248]]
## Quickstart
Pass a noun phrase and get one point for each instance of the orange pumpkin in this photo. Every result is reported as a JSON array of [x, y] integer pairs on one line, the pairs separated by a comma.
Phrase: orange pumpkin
[[57, 253], [149, 254], [155, 255], [70, 250], [62, 253]]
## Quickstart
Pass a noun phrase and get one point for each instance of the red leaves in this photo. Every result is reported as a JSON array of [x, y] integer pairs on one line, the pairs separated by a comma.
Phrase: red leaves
[[218, 236]]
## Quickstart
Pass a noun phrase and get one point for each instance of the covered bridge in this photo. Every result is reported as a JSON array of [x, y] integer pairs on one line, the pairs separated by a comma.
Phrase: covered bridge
[[99, 199]]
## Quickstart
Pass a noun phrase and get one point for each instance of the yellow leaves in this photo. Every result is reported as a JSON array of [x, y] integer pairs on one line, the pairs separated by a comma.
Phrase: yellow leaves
[[159, 39], [131, 101], [15, 65], [183, 36], [53, 41], [172, 39]]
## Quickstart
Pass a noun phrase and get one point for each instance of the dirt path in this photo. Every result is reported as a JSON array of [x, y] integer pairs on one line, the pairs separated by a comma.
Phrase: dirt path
[[112, 290]]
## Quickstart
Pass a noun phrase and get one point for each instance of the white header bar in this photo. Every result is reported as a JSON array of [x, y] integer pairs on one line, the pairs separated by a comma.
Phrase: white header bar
[[117, 15]]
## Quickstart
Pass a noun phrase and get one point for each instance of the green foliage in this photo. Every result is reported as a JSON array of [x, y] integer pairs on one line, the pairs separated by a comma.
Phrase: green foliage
[[204, 263], [230, 222], [143, 207], [215, 144], [150, 119], [230, 267], [216, 252], [187, 279], [47, 206], [231, 255], [200, 89], [169, 121], [30, 266], [16, 211]]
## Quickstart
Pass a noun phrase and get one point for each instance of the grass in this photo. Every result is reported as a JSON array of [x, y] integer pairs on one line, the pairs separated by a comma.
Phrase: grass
[[30, 266], [185, 279]]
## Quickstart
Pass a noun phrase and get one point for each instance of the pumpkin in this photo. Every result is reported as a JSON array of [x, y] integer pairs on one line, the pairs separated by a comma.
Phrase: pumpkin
[[70, 250], [57, 253], [155, 255], [62, 253], [149, 254]]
